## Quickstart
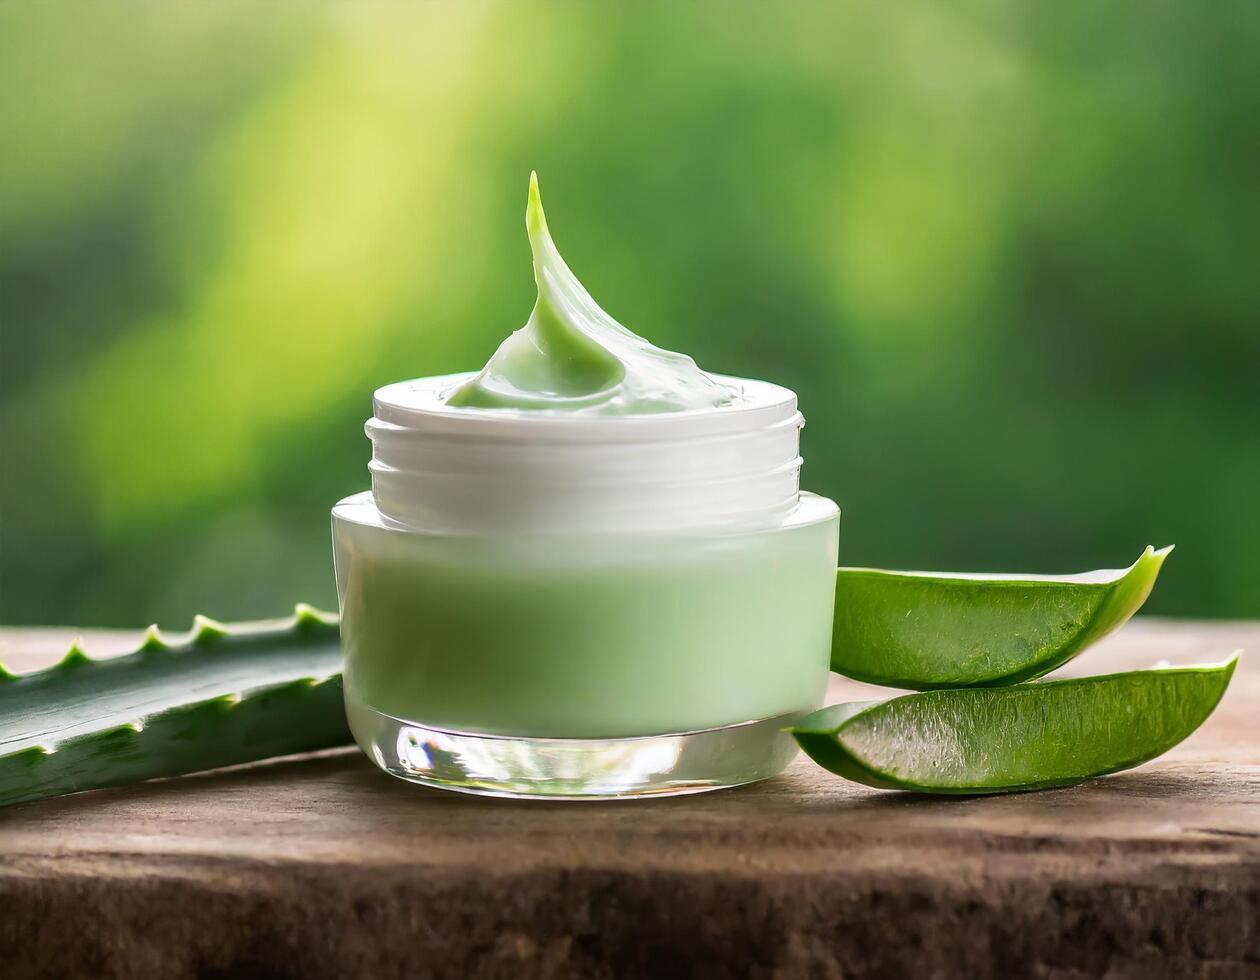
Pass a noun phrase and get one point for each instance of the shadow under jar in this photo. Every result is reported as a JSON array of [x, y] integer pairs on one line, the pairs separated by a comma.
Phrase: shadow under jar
[[549, 605]]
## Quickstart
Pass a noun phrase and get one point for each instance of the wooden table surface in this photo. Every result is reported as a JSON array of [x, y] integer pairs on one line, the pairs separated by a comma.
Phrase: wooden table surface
[[323, 866]]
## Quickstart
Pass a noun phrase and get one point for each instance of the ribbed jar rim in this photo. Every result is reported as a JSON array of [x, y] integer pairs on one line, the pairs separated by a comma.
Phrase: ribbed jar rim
[[471, 470]]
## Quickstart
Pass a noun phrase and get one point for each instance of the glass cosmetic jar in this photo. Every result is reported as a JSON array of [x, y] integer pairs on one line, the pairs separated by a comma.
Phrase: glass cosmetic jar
[[583, 606]]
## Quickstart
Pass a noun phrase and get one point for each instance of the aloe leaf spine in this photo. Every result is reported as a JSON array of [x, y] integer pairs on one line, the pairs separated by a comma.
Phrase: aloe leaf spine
[[218, 695]]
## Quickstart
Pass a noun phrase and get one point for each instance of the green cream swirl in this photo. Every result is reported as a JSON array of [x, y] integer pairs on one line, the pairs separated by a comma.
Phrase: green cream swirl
[[573, 357]]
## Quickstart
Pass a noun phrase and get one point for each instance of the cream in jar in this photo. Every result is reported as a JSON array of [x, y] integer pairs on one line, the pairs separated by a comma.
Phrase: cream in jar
[[587, 570]]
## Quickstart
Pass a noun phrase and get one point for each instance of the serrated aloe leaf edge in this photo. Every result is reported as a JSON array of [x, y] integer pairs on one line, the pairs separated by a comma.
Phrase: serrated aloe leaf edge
[[218, 695], [1027, 736], [923, 630]]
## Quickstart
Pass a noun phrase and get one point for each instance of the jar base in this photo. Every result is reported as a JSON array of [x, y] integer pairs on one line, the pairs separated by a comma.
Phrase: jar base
[[575, 768]]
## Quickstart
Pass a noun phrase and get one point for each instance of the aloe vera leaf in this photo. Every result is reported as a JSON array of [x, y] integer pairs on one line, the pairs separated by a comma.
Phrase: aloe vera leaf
[[218, 695], [1009, 739], [928, 630]]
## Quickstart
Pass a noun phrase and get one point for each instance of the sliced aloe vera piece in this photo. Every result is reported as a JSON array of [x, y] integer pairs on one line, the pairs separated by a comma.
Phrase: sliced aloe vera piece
[[927, 630], [1008, 739], [219, 695]]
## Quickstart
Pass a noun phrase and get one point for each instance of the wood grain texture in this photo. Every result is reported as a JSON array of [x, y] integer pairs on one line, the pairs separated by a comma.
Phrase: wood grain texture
[[324, 867]]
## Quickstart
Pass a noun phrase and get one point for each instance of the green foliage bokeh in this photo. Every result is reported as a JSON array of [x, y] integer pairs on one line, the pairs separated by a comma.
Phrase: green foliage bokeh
[[1007, 255]]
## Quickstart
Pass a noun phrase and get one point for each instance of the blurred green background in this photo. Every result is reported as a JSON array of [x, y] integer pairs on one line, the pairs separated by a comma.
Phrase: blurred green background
[[1008, 256]]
